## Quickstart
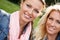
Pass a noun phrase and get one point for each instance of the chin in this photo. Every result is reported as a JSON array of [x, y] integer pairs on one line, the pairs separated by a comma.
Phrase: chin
[[25, 20], [51, 33]]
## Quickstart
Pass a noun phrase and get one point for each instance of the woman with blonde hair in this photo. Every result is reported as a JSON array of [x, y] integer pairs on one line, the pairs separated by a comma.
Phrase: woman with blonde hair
[[21, 21], [49, 25]]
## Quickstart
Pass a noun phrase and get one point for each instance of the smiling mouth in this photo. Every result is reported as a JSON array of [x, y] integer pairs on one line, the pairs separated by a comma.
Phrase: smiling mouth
[[51, 29], [27, 16]]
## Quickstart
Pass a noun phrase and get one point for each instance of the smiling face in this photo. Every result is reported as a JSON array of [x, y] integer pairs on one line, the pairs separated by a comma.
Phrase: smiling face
[[30, 10], [53, 22]]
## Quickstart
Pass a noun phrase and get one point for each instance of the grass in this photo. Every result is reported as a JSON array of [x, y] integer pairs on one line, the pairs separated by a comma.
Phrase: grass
[[8, 6], [36, 22]]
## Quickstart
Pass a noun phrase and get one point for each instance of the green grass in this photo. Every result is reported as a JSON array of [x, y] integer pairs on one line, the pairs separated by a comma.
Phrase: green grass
[[8, 6], [36, 22]]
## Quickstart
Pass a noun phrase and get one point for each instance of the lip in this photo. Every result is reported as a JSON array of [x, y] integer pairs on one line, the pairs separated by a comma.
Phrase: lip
[[26, 16], [51, 29]]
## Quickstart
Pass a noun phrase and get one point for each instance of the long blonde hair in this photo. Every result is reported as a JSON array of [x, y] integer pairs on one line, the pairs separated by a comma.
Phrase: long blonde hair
[[40, 30]]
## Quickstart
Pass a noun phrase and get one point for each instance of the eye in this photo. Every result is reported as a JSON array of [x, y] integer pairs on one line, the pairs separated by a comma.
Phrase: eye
[[36, 10], [58, 21], [50, 18], [28, 5]]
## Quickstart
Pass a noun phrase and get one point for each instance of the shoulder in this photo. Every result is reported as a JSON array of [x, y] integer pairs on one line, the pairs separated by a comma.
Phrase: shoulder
[[15, 13], [4, 24], [4, 14], [58, 36], [4, 17]]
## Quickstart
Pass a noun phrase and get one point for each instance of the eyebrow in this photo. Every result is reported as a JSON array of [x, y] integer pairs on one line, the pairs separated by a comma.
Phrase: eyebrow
[[42, 2]]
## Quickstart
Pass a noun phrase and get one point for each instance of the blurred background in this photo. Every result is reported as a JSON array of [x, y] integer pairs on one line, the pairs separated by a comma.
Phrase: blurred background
[[14, 5]]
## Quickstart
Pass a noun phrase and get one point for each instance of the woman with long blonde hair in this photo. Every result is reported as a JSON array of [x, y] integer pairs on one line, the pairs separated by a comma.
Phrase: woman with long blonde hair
[[49, 25]]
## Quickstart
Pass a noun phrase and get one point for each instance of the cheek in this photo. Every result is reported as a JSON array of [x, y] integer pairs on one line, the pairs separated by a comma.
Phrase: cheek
[[47, 24], [58, 28], [24, 7], [35, 16]]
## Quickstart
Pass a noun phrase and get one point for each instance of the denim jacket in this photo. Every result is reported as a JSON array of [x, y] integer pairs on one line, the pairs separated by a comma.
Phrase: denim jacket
[[58, 37], [4, 25]]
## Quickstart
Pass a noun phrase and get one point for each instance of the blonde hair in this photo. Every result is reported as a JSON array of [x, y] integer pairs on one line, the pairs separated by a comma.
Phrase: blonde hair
[[44, 6], [40, 30], [43, 2]]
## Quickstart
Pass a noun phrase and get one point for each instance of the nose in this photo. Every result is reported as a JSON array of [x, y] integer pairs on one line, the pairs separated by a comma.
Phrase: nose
[[30, 11], [53, 24]]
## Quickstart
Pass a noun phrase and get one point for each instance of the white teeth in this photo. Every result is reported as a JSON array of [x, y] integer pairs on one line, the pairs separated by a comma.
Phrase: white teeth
[[26, 16], [51, 28]]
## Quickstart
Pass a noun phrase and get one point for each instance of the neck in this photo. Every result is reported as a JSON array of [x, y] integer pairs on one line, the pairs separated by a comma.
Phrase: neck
[[52, 37], [22, 25]]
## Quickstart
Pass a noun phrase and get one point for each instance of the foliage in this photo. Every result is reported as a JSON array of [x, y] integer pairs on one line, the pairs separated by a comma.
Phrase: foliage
[[51, 2], [15, 1]]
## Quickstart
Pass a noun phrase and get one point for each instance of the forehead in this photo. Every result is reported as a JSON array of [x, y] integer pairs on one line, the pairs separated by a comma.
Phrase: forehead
[[55, 14], [35, 3]]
